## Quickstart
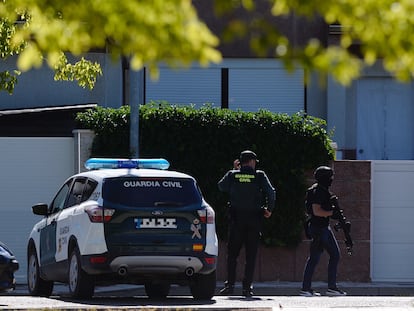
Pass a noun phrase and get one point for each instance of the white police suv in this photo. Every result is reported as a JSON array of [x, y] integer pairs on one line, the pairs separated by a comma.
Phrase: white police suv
[[124, 221]]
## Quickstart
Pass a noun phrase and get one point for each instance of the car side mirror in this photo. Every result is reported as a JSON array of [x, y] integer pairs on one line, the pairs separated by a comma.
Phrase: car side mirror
[[40, 209]]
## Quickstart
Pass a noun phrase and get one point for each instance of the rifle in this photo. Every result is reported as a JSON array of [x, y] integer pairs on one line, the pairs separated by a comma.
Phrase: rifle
[[342, 224]]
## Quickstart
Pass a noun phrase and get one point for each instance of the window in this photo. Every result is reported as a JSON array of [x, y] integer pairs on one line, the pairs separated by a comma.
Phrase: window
[[151, 192], [88, 190], [75, 195], [59, 200]]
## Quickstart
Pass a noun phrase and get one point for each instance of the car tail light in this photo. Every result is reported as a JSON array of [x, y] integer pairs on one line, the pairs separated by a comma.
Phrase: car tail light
[[98, 259], [99, 214], [206, 215], [210, 260]]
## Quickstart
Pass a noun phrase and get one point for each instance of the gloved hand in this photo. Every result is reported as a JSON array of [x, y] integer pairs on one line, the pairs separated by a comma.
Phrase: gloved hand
[[337, 213], [334, 200]]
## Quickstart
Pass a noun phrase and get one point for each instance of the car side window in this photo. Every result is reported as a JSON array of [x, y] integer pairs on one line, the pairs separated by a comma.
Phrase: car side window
[[88, 190], [59, 201], [75, 194]]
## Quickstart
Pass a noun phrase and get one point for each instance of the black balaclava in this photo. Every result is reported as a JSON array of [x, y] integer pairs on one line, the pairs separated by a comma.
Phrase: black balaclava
[[325, 181], [324, 176]]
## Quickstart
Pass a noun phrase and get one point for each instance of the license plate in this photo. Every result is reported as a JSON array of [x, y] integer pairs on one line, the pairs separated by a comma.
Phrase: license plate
[[144, 223]]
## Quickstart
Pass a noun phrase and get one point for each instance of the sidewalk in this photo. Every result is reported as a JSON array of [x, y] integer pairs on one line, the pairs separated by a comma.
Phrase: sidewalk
[[260, 289]]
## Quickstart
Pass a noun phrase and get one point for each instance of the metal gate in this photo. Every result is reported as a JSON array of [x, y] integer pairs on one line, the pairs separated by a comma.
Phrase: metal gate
[[31, 171], [392, 215]]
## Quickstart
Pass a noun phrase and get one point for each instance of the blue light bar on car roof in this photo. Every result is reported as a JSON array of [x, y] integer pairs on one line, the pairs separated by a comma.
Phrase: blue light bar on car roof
[[101, 163]]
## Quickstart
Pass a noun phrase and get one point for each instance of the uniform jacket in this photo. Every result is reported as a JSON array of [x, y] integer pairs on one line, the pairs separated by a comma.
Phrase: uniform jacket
[[249, 190]]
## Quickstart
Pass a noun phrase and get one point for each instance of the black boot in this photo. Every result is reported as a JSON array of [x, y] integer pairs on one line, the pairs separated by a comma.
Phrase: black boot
[[248, 292]]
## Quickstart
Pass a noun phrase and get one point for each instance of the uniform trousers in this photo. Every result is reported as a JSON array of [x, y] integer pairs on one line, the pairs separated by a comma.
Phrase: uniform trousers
[[243, 232]]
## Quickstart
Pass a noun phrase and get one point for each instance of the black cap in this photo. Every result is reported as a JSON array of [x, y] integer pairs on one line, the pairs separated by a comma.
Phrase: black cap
[[247, 155]]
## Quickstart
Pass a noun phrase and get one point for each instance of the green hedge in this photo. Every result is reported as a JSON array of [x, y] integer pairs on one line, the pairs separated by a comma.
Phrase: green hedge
[[204, 142]]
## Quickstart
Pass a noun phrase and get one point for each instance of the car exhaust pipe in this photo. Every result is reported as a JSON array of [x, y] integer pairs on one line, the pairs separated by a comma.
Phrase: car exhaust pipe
[[122, 271], [189, 271]]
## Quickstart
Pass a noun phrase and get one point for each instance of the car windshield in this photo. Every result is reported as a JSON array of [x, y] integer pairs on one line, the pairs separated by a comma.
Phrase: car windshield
[[146, 192]]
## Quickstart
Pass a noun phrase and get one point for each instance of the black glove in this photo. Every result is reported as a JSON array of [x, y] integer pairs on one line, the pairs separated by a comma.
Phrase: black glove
[[334, 200], [337, 213]]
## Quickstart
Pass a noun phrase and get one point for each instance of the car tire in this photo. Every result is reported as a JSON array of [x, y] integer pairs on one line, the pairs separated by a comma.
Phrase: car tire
[[157, 290], [36, 285], [203, 286], [81, 284]]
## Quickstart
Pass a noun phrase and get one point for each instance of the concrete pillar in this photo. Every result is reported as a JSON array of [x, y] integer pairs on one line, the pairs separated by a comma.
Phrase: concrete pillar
[[83, 140]]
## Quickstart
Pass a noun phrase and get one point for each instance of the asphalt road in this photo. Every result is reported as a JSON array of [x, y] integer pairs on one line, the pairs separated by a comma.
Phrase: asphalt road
[[373, 303], [272, 296]]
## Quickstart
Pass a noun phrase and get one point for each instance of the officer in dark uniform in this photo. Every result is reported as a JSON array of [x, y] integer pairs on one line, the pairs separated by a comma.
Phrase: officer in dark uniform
[[248, 190], [319, 201]]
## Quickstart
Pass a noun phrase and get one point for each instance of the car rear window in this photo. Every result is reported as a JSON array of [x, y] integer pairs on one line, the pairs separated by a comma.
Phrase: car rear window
[[151, 192]]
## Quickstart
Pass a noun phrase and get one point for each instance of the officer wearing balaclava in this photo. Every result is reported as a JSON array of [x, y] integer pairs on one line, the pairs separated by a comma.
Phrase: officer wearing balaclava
[[321, 208]]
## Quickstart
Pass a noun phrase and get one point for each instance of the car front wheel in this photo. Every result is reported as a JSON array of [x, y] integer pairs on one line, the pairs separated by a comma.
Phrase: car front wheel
[[36, 285], [81, 284]]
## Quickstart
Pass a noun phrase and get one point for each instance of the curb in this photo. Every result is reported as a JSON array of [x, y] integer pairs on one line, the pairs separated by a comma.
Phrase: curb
[[260, 289]]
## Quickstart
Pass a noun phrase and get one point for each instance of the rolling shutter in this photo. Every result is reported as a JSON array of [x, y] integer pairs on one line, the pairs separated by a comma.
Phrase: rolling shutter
[[253, 84], [196, 86]]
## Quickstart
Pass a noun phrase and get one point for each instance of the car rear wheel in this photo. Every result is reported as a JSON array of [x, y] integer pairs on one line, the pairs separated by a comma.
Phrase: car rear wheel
[[81, 284], [203, 286], [157, 290], [36, 285]]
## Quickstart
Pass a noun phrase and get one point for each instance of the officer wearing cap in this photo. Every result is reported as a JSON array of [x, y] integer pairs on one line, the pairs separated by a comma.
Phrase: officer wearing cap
[[249, 190]]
